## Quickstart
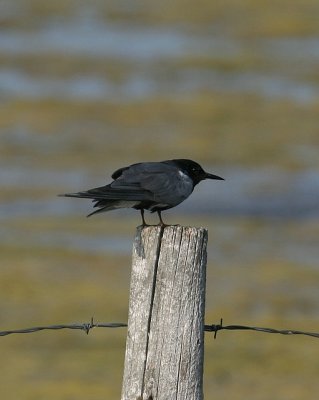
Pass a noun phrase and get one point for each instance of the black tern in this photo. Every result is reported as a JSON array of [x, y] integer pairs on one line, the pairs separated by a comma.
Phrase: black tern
[[153, 186]]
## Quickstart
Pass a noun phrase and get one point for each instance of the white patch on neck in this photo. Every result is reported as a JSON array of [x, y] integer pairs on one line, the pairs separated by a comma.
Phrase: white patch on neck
[[183, 175]]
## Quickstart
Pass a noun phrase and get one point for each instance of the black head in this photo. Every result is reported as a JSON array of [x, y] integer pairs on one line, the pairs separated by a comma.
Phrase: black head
[[194, 170]]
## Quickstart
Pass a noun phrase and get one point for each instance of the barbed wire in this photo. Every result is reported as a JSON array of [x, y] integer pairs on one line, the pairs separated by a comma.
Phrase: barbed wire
[[220, 327], [87, 326]]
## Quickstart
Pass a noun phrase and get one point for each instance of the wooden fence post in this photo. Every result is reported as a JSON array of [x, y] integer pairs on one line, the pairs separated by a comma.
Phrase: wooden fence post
[[165, 339]]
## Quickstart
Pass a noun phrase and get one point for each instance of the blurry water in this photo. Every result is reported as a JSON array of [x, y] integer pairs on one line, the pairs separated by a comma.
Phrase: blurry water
[[14, 83], [146, 50], [94, 38], [273, 196], [263, 192]]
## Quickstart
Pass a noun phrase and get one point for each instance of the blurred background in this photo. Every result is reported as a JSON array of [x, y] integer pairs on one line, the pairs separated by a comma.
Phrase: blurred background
[[87, 87]]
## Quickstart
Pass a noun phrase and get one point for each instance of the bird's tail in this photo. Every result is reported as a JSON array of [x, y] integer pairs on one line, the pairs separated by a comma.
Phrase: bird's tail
[[105, 205], [101, 204], [80, 195]]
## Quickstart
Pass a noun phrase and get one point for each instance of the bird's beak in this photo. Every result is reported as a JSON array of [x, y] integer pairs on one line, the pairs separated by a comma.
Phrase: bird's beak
[[211, 176]]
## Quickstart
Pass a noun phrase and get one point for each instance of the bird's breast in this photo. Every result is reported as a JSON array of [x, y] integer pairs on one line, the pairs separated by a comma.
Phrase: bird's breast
[[175, 190]]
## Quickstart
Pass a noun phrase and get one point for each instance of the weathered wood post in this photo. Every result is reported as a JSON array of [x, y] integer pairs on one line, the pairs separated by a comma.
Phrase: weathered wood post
[[165, 340]]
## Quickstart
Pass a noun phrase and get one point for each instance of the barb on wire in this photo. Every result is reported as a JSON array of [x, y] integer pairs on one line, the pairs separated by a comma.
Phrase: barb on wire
[[86, 327], [219, 327]]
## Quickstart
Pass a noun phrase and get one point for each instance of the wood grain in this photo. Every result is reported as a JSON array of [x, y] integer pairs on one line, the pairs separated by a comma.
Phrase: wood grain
[[164, 349]]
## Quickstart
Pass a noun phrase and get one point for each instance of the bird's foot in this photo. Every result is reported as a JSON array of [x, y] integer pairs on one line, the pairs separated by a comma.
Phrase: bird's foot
[[162, 224]]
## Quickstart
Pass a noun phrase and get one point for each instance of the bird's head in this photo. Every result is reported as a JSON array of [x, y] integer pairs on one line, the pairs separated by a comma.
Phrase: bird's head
[[195, 171]]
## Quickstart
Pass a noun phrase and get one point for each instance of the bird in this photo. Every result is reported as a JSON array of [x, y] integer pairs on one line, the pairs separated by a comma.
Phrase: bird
[[152, 186]]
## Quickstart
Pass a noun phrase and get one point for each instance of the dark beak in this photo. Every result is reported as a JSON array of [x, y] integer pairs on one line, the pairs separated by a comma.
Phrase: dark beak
[[211, 176]]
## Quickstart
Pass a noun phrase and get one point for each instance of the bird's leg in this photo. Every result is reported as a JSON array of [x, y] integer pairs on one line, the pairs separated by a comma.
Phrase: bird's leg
[[160, 218], [143, 219]]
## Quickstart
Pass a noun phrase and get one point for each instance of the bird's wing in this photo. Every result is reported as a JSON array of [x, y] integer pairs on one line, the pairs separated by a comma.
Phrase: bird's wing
[[151, 181], [125, 187], [129, 193], [161, 183]]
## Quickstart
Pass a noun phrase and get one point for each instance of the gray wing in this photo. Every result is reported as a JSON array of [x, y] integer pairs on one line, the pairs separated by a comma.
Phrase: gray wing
[[161, 183], [153, 181]]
